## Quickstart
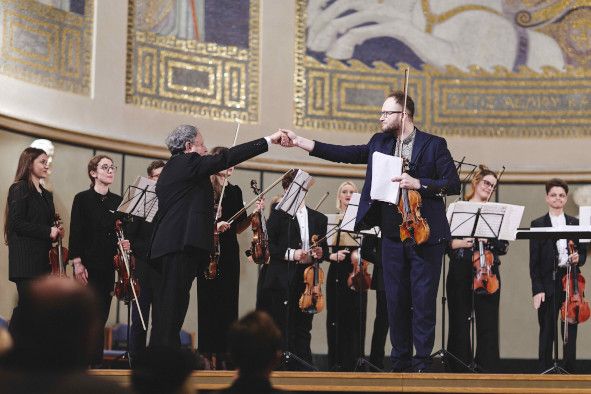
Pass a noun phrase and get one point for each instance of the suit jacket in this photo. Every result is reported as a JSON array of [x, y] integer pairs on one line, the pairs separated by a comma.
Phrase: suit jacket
[[185, 198], [431, 163], [284, 232], [542, 254], [30, 217]]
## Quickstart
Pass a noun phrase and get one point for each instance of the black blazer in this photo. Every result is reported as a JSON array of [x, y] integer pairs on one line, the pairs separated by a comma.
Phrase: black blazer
[[30, 218], [185, 198], [278, 227], [542, 254], [431, 163]]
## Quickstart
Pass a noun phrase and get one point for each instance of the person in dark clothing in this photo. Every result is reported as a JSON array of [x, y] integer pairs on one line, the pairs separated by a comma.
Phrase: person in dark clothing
[[460, 291], [93, 241], [548, 295], [289, 244], [254, 343], [217, 298], [139, 233], [371, 251], [346, 338], [29, 225], [183, 231]]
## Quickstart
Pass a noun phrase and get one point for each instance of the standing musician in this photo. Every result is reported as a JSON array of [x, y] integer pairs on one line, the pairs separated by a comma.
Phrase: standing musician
[[371, 248], [93, 241], [289, 243], [29, 225], [217, 298], [542, 258], [139, 232], [183, 231], [343, 305], [460, 290], [411, 272]]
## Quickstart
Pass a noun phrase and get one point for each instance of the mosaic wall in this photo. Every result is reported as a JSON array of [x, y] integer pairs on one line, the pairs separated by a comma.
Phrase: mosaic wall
[[197, 57], [485, 68], [47, 42]]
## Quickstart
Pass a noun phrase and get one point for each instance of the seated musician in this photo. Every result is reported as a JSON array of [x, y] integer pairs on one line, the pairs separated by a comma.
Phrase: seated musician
[[289, 243], [460, 292], [548, 293]]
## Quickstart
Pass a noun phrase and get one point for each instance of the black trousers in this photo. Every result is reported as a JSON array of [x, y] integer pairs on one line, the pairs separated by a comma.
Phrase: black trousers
[[380, 331], [102, 282], [295, 325], [486, 309], [546, 320], [344, 307], [171, 300], [21, 287]]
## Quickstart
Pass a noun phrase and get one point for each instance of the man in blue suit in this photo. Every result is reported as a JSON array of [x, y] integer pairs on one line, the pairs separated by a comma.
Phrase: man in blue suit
[[411, 272]]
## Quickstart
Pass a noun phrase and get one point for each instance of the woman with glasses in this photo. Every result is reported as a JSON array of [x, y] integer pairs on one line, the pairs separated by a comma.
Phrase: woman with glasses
[[461, 296], [29, 225], [93, 242]]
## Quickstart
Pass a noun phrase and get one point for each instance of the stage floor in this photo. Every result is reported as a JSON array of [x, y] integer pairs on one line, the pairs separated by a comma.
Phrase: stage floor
[[391, 382]]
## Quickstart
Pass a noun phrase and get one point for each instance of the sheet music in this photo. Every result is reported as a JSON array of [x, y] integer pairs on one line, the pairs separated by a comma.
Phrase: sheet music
[[351, 213], [384, 168], [496, 220], [140, 199], [295, 193], [585, 219]]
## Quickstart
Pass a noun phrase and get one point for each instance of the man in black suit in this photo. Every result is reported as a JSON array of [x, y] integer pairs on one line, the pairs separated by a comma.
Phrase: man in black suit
[[183, 232], [289, 245], [544, 256], [411, 272]]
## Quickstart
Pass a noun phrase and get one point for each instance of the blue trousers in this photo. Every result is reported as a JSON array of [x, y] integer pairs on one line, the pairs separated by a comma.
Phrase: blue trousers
[[411, 279]]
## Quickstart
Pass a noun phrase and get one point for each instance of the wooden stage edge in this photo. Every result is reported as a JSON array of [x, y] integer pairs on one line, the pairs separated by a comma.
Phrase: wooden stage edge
[[390, 382]]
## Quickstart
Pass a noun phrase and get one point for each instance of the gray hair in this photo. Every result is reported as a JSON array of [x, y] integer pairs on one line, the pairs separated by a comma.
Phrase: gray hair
[[175, 142]]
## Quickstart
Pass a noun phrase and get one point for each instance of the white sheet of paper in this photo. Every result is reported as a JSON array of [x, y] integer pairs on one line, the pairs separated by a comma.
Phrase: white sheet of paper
[[384, 168], [495, 217], [133, 202], [295, 193], [350, 216]]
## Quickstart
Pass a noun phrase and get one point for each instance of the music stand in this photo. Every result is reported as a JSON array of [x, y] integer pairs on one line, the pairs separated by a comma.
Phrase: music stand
[[138, 200], [543, 233], [289, 203]]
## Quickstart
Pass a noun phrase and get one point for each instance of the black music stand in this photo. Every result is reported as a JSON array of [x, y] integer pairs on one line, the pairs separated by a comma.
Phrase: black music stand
[[532, 233], [290, 203], [443, 353], [138, 200]]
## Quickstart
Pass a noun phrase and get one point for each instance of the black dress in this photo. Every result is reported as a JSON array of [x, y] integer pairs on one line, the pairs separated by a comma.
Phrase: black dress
[[217, 299], [486, 308], [93, 239], [30, 218], [345, 331]]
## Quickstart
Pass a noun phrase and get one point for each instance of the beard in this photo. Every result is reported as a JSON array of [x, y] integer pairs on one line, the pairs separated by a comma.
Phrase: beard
[[393, 128]]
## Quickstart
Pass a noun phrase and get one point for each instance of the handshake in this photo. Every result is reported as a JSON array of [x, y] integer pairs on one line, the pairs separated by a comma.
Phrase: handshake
[[289, 139]]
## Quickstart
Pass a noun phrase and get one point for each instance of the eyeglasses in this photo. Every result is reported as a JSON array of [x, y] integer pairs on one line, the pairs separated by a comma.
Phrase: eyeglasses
[[106, 168], [488, 184], [388, 113]]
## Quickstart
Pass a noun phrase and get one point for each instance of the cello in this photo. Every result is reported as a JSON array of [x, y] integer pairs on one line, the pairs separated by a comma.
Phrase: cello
[[413, 225], [58, 255]]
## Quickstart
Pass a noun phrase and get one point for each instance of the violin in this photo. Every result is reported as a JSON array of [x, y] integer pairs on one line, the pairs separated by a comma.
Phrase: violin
[[414, 226], [312, 300], [575, 309], [214, 257], [359, 279], [58, 255], [485, 281], [126, 286], [259, 247]]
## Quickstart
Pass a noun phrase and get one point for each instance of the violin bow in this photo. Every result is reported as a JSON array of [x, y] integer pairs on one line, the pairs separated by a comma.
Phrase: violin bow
[[218, 213], [321, 201], [404, 113]]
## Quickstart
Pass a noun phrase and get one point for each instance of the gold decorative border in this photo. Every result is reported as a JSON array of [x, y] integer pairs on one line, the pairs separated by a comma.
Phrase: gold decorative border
[[232, 62], [59, 75], [319, 90]]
